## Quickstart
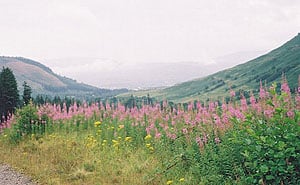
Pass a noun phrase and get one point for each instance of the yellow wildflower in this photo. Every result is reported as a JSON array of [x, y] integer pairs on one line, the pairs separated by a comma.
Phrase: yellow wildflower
[[99, 132], [169, 182], [115, 141], [97, 123], [148, 137], [128, 139], [121, 126], [181, 180], [148, 145]]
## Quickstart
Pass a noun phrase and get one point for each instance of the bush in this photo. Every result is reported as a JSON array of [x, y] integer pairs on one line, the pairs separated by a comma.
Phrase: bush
[[27, 122], [263, 151]]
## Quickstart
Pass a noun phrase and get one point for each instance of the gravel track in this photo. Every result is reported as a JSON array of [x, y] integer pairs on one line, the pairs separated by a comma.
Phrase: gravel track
[[8, 176]]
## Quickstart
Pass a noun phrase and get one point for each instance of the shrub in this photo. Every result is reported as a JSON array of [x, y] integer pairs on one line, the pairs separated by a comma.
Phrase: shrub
[[263, 150], [27, 122]]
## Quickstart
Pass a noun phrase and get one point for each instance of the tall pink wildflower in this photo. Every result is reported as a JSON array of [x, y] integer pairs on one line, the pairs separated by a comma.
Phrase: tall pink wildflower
[[244, 105], [285, 87], [198, 106], [217, 140], [232, 93], [254, 105], [262, 91], [268, 113], [239, 115], [190, 106], [290, 114], [199, 142], [224, 107], [217, 121], [212, 107]]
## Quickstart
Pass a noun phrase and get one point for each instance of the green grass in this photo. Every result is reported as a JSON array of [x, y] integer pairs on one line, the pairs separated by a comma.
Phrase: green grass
[[64, 158], [72, 155]]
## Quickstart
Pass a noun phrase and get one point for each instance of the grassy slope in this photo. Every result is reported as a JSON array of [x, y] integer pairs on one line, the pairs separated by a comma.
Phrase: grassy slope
[[268, 68]]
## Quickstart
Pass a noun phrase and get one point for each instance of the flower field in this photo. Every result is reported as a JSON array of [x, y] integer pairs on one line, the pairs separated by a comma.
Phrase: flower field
[[246, 141]]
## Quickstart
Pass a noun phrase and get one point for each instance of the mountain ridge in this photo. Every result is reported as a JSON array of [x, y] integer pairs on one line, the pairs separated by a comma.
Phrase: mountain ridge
[[45, 82]]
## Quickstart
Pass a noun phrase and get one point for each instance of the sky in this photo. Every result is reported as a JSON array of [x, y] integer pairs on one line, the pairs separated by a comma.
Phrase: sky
[[74, 37]]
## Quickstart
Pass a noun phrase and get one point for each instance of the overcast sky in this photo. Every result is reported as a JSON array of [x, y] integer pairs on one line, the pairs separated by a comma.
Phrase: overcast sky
[[135, 31]]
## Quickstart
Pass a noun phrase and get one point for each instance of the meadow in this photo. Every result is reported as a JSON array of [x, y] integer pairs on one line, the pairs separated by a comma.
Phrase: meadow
[[245, 141]]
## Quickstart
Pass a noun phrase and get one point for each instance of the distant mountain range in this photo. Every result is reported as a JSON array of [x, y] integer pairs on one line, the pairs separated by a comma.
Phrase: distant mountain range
[[268, 68], [109, 73], [45, 82]]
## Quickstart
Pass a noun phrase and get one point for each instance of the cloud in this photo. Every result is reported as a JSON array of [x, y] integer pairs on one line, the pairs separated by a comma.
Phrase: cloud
[[143, 31]]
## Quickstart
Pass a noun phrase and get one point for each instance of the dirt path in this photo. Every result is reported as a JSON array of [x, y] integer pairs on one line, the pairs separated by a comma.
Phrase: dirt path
[[10, 177]]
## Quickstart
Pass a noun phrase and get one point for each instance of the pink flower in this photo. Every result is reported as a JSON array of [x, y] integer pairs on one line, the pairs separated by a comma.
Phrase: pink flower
[[262, 92], [199, 142], [184, 131], [252, 100], [290, 114], [239, 115], [217, 140], [268, 113], [157, 135], [285, 87], [244, 106], [190, 106], [232, 93], [224, 107]]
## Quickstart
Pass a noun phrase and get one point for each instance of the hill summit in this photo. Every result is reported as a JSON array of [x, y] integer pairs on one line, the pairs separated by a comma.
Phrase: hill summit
[[45, 82]]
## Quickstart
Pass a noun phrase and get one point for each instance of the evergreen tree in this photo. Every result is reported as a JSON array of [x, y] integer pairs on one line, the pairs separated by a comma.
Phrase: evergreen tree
[[9, 94], [39, 100], [26, 93]]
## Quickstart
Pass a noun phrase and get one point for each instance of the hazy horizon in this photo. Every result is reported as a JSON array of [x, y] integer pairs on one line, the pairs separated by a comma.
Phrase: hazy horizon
[[123, 35]]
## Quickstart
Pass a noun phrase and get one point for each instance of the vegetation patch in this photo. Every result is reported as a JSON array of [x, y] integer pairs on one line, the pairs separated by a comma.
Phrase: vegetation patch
[[241, 141]]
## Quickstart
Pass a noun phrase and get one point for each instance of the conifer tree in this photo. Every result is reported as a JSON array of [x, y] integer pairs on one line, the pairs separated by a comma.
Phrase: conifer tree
[[26, 93], [9, 95]]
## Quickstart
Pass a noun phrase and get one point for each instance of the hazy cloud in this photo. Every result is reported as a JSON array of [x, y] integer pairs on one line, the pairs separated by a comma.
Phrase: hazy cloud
[[143, 31]]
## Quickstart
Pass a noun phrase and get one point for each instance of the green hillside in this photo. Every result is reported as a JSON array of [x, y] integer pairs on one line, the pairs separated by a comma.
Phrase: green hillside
[[268, 68], [45, 82]]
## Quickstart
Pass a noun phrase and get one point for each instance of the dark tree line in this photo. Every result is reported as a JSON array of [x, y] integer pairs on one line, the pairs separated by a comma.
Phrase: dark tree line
[[9, 94]]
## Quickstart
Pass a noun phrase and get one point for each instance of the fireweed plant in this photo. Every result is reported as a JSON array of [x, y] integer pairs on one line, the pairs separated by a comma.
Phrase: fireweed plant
[[250, 141]]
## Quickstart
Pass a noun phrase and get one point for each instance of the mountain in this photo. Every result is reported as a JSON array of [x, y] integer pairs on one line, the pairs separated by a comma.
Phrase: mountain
[[44, 81], [268, 68], [111, 73]]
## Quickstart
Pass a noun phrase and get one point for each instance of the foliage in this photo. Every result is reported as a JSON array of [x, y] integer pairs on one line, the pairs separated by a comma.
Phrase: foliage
[[268, 149], [28, 123]]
